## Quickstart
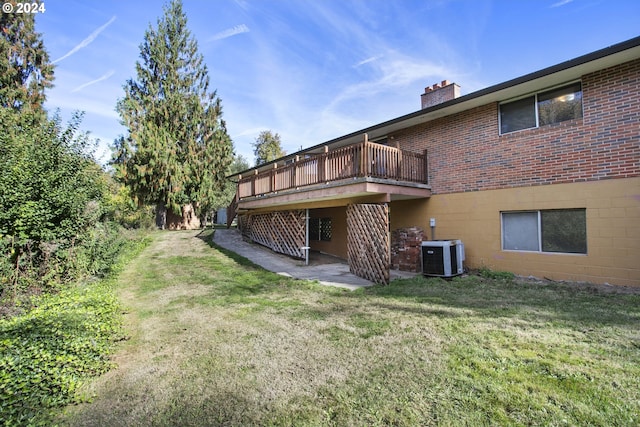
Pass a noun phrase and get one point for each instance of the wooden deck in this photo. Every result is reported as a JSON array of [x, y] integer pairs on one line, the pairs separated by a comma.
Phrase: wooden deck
[[356, 170], [362, 160]]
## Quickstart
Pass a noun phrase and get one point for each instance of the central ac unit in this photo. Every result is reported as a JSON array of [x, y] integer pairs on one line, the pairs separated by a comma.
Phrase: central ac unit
[[442, 258]]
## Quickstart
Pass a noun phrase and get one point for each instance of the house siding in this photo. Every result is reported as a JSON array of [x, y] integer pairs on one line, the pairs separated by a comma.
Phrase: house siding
[[475, 174], [467, 152], [591, 163], [613, 228]]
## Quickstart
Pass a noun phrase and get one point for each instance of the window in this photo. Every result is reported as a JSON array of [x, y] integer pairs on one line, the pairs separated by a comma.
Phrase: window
[[542, 109], [325, 229], [520, 231], [516, 115], [320, 229], [563, 230]]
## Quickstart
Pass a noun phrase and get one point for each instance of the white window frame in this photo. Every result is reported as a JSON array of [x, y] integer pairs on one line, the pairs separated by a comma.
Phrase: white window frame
[[539, 233], [537, 114], [538, 230]]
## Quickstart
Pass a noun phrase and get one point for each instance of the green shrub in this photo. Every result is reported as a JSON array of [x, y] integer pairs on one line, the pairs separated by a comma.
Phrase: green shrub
[[504, 276], [47, 266], [50, 196], [121, 208], [58, 208], [51, 186], [47, 352]]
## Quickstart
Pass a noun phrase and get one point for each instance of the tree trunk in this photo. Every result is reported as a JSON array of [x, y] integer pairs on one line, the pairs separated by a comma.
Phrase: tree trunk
[[161, 216]]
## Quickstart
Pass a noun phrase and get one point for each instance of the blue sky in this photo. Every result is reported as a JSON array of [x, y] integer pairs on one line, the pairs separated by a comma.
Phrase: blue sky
[[313, 70]]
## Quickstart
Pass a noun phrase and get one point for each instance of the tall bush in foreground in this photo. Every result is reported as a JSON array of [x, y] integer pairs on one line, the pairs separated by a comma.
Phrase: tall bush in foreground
[[50, 200], [50, 187]]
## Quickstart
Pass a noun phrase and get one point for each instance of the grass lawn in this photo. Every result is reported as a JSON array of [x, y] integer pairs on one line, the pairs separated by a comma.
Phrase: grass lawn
[[213, 340]]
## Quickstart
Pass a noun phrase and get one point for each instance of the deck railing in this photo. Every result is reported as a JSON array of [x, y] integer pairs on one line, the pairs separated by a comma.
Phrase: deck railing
[[365, 159]]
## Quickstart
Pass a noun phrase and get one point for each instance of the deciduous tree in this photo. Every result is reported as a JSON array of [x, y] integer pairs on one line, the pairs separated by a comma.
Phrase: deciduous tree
[[267, 147]]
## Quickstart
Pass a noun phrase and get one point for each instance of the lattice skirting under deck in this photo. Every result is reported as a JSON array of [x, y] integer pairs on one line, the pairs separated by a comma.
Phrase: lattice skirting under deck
[[368, 241], [282, 231]]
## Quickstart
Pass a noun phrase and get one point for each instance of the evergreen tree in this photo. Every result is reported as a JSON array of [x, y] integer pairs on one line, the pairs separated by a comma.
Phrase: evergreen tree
[[25, 70], [177, 150], [267, 147], [240, 163], [222, 199]]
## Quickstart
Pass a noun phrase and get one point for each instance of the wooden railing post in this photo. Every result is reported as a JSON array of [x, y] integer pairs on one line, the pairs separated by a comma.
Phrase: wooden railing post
[[253, 182], [322, 165], [365, 168], [426, 167], [272, 180], [400, 174]]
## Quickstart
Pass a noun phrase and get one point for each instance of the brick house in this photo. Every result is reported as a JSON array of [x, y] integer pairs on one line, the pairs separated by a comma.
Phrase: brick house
[[539, 175]]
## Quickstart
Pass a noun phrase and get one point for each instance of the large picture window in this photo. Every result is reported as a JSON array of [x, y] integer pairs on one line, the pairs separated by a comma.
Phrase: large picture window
[[562, 230], [544, 108]]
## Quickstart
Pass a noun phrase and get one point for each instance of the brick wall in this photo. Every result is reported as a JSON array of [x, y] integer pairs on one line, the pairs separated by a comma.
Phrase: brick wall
[[467, 153], [406, 247]]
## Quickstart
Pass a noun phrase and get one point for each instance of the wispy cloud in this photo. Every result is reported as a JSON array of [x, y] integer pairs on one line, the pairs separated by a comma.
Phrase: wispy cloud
[[99, 79], [86, 42], [238, 29], [94, 104], [253, 131], [242, 4], [288, 93], [396, 72], [366, 61], [561, 3]]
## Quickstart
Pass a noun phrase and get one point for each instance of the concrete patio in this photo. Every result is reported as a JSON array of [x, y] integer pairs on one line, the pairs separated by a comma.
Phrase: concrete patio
[[326, 269]]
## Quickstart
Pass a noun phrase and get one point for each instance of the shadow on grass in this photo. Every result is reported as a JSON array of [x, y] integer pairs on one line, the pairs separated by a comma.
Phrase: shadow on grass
[[364, 314], [247, 279], [207, 237], [488, 297], [513, 298]]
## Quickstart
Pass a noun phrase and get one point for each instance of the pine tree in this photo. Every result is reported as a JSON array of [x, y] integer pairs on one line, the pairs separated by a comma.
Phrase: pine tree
[[25, 70], [177, 150], [267, 147]]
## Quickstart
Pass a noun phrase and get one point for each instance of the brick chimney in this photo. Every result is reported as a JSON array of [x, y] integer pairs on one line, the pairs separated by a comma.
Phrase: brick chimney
[[439, 93]]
